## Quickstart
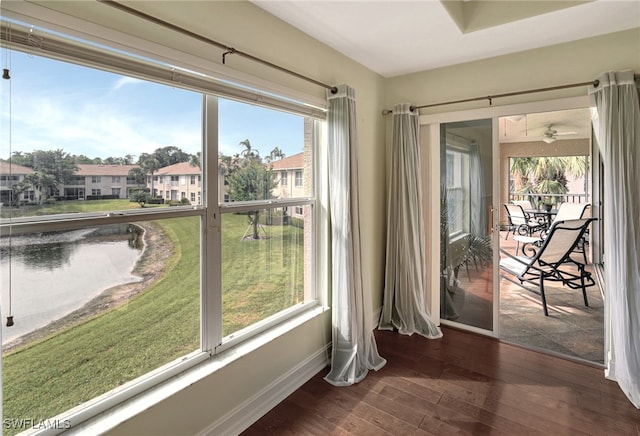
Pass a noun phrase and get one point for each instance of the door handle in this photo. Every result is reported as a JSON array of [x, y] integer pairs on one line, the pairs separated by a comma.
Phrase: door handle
[[490, 220]]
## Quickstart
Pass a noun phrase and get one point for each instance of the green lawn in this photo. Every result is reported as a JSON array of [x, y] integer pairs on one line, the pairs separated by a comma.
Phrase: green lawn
[[73, 206], [260, 277], [157, 326]]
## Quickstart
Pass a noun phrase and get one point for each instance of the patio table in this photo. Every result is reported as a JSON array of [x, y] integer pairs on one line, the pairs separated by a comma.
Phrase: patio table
[[546, 215]]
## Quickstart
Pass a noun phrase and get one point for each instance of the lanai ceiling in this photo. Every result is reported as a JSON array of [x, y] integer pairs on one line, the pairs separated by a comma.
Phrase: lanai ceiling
[[568, 124], [399, 37]]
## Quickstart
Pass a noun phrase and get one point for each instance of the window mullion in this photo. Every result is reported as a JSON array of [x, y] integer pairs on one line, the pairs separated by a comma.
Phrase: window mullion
[[211, 277]]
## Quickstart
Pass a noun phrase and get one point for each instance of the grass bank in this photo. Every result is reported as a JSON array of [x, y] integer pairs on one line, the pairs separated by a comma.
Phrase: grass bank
[[158, 325]]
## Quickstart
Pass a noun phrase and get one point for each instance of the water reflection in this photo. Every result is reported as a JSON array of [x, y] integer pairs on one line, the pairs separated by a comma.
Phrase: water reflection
[[51, 250], [53, 273]]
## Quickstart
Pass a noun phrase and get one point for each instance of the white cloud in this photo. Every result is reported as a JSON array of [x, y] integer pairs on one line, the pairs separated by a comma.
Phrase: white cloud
[[123, 81]]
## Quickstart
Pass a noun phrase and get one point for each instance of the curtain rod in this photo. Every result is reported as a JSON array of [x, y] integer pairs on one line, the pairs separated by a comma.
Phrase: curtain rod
[[594, 83], [228, 50]]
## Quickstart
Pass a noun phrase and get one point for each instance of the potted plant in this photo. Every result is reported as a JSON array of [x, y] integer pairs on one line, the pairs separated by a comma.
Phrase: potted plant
[[468, 250]]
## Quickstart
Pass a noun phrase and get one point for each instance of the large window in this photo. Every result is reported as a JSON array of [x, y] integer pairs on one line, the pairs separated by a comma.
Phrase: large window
[[264, 254], [104, 290], [457, 178]]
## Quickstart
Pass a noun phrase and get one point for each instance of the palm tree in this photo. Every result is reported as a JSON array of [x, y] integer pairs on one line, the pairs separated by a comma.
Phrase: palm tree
[[275, 154], [138, 175], [149, 164], [195, 160], [43, 184], [546, 175]]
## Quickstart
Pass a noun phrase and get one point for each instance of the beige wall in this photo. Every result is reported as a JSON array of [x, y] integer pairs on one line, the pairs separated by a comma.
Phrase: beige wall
[[248, 28], [578, 61]]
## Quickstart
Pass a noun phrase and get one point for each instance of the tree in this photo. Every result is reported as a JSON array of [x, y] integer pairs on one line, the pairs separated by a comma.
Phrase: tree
[[138, 175], [56, 163], [82, 159], [275, 154], [249, 180], [149, 164], [546, 175], [23, 159], [195, 160], [52, 168], [43, 184], [248, 152], [140, 196], [170, 155]]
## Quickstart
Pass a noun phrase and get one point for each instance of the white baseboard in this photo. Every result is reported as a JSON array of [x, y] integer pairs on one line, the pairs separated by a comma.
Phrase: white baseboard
[[240, 418]]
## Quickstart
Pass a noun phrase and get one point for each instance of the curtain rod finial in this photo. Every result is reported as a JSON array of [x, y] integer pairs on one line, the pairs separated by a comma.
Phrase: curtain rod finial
[[334, 89], [387, 111]]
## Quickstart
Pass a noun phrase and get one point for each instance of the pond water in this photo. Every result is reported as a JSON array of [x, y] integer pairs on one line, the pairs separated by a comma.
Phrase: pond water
[[53, 274]]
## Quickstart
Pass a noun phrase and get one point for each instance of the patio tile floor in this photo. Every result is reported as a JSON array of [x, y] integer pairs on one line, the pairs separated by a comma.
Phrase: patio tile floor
[[571, 329]]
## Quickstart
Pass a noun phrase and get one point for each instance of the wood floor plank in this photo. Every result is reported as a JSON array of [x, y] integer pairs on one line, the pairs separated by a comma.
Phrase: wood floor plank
[[461, 384]]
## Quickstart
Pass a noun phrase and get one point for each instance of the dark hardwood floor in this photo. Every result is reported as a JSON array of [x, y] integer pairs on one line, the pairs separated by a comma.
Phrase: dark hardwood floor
[[460, 384]]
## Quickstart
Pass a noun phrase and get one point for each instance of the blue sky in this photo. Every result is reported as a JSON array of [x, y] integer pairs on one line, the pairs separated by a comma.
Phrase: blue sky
[[99, 114]]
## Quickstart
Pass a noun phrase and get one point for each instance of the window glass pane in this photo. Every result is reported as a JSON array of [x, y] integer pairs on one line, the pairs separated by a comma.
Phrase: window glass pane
[[457, 179], [93, 309], [266, 264], [258, 155], [86, 140]]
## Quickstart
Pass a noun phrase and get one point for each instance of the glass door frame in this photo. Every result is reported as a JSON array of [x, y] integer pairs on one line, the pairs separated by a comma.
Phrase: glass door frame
[[430, 150]]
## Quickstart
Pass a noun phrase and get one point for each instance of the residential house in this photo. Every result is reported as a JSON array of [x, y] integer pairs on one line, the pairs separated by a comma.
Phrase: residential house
[[177, 181], [289, 175], [90, 180], [97, 180], [10, 177], [227, 395]]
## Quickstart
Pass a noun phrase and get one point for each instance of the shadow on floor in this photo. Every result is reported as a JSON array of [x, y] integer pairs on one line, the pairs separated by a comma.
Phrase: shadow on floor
[[571, 329]]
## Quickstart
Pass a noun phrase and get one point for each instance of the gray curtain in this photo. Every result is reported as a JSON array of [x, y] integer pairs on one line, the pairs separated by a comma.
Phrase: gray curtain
[[404, 306], [354, 350], [617, 127], [476, 188]]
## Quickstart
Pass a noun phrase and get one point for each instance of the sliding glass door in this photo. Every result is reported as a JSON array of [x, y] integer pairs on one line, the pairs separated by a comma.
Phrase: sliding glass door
[[466, 208]]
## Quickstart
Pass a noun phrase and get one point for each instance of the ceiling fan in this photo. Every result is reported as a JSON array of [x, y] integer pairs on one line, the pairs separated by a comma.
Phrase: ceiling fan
[[551, 135]]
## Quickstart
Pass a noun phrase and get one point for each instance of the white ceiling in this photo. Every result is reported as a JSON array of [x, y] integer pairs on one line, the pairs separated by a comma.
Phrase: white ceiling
[[400, 37], [569, 124]]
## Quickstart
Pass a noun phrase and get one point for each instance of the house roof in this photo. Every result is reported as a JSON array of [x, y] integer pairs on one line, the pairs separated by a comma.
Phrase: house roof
[[295, 161], [9, 168], [177, 169], [103, 170]]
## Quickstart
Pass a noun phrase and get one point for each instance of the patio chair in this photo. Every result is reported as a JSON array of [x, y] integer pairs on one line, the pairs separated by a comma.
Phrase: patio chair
[[519, 221], [554, 261], [566, 211], [526, 204], [572, 211]]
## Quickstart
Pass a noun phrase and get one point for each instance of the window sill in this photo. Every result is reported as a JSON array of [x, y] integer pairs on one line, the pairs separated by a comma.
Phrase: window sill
[[129, 408]]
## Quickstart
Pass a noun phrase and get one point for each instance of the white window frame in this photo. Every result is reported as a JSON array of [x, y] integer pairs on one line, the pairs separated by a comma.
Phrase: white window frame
[[209, 213]]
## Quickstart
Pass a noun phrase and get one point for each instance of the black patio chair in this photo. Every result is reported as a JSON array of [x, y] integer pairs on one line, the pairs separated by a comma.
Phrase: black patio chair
[[554, 261], [520, 222]]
